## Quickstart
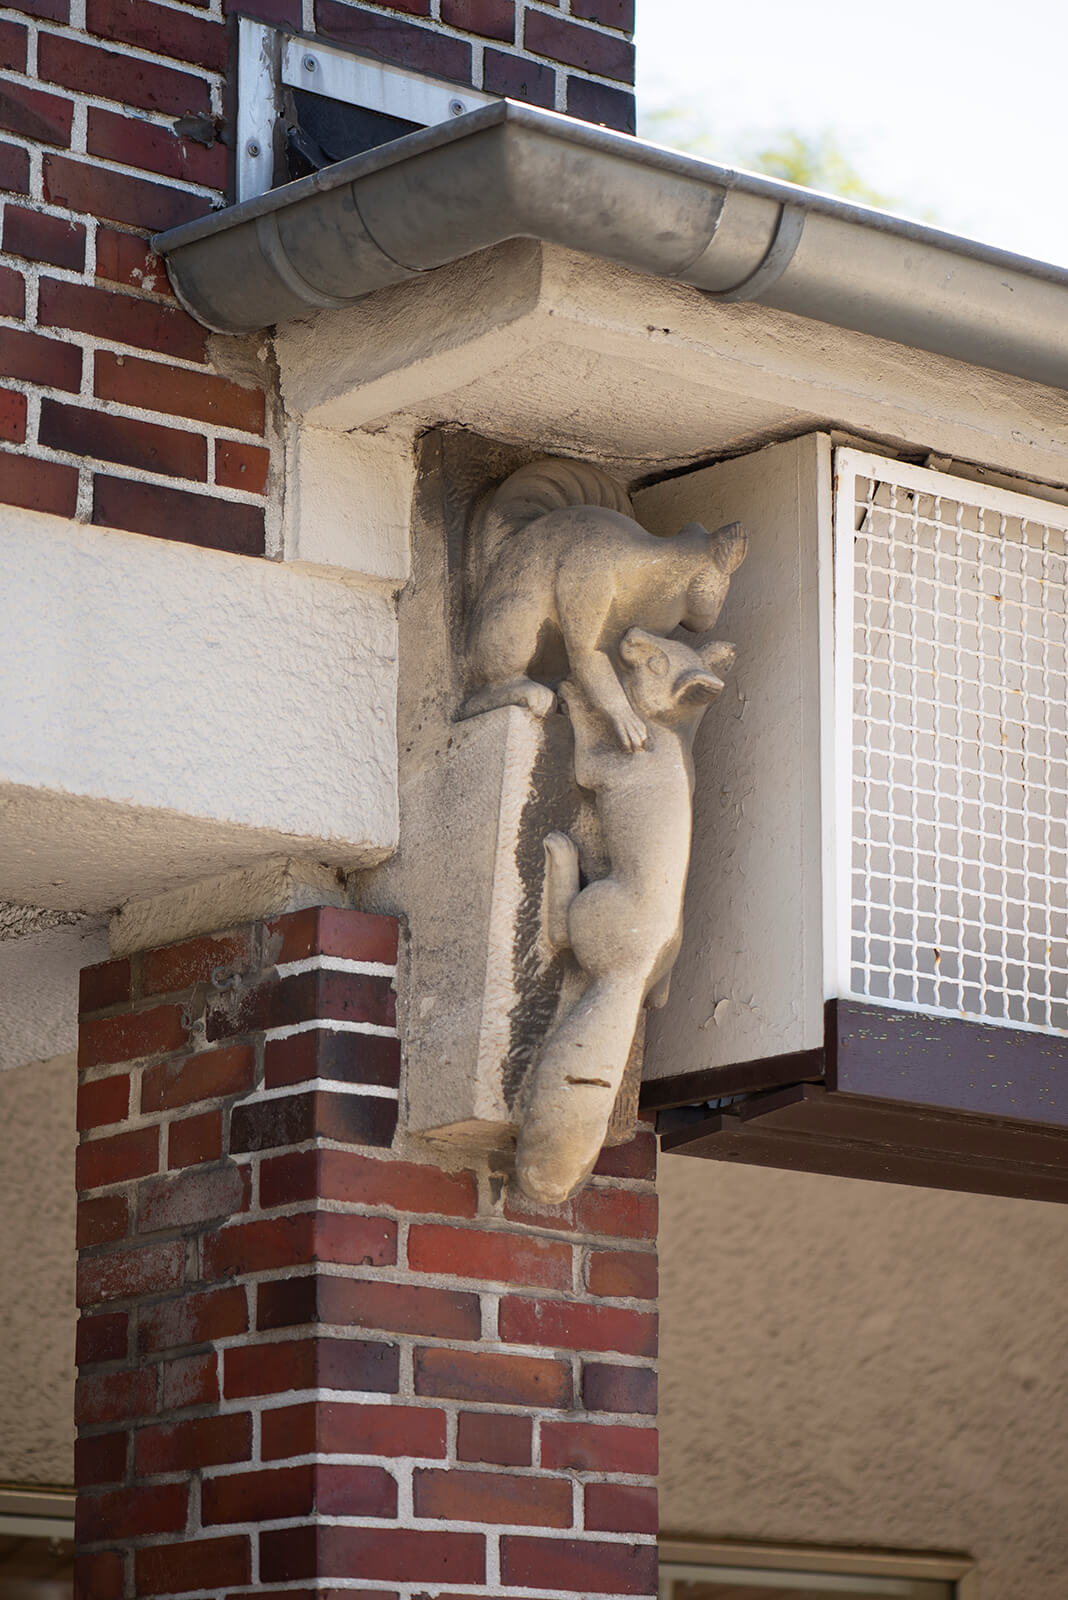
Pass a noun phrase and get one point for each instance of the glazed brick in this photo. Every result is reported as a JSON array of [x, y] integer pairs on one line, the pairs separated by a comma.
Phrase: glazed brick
[[623, 1274], [241, 466], [86, 186], [192, 1140], [102, 1220], [131, 1513], [622, 1213], [635, 1159], [305, 997], [310, 1364], [489, 1436], [179, 966], [492, 1257], [332, 1428], [456, 1496], [392, 40], [99, 1576], [12, 293], [165, 31], [354, 1179], [116, 75], [13, 38], [193, 1198], [35, 114], [612, 13], [137, 143], [599, 1447], [355, 1303], [519, 78], [192, 1319], [39, 237], [165, 330], [175, 514], [12, 416], [606, 1387], [100, 1459], [108, 983], [188, 1381], [14, 169], [127, 440], [135, 382], [117, 1158], [127, 1274], [490, 19], [351, 1491], [259, 1496], [580, 47], [569, 1326], [193, 1564], [411, 1555], [209, 1075], [38, 485], [102, 1338], [126, 258], [114, 1396], [588, 1566], [103, 1100], [333, 931], [318, 1114], [620, 1508], [344, 1057], [129, 1037], [199, 1442], [485, 1375], [597, 102]]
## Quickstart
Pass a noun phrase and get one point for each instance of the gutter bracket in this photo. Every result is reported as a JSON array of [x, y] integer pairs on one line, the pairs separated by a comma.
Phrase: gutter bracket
[[787, 237]]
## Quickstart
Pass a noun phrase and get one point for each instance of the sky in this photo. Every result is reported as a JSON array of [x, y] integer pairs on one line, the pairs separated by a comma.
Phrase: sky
[[955, 109]]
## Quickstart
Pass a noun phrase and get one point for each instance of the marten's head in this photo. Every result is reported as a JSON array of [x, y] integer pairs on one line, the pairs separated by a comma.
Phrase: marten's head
[[670, 682], [722, 554]]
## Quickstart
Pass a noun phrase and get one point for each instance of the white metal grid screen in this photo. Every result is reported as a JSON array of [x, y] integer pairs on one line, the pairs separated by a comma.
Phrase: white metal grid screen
[[952, 741]]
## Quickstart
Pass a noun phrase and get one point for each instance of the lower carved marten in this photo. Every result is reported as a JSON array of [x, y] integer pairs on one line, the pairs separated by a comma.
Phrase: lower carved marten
[[624, 930]]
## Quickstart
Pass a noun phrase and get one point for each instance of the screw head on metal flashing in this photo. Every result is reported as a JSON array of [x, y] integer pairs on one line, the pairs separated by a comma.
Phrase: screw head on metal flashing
[[457, 108], [310, 63], [252, 149]]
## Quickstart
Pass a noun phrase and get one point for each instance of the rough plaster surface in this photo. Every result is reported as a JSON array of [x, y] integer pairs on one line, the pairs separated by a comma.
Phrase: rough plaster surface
[[579, 357], [37, 1316], [854, 1363], [348, 502], [39, 989], [166, 712]]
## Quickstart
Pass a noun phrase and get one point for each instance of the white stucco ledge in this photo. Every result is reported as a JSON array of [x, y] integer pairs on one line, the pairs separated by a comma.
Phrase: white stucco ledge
[[168, 712]]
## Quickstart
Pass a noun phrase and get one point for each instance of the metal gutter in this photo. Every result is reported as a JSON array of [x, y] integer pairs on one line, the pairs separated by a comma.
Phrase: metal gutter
[[511, 171]]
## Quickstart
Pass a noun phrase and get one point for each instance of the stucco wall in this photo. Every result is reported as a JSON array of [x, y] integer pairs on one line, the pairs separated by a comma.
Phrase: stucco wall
[[850, 1363], [37, 1141]]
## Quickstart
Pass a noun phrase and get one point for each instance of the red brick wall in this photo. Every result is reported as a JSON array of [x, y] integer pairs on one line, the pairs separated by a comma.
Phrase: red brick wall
[[115, 120], [303, 1358]]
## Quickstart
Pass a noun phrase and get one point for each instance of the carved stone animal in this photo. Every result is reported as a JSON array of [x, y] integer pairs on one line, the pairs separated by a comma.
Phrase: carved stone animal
[[623, 930], [561, 570]]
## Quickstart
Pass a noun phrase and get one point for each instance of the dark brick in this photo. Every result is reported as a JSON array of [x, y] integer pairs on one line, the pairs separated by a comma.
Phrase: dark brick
[[491, 1436], [103, 1219], [195, 1564], [130, 1274], [491, 1256], [355, 1303], [209, 1075], [241, 466], [623, 1274], [49, 10], [485, 1375], [306, 997], [491, 19], [12, 293], [334, 1428], [359, 1364], [88, 187], [125, 258], [14, 169], [193, 1198], [35, 114], [259, 1496], [635, 1159], [179, 966], [130, 1036], [13, 38], [176, 514], [343, 1057], [357, 1179], [117, 1158], [392, 40], [137, 143], [606, 1387], [293, 1119], [108, 983], [117, 75], [100, 1459], [199, 1442], [136, 382], [38, 485], [103, 436], [587, 1566], [192, 1140], [166, 330], [580, 47], [352, 1491], [599, 1447], [596, 102], [12, 416], [612, 13], [620, 1508], [569, 1326], [458, 1496], [333, 931], [411, 1555], [162, 30], [39, 237], [102, 1338], [114, 1396], [131, 1512], [103, 1100], [519, 78]]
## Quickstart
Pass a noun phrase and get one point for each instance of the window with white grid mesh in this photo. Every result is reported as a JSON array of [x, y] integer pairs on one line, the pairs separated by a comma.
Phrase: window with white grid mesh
[[953, 746]]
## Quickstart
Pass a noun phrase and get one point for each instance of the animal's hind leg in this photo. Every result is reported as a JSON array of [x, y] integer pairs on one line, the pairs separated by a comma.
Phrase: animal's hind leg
[[537, 697], [561, 887]]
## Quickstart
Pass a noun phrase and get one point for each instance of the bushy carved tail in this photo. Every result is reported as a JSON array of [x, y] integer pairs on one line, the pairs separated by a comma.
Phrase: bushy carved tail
[[573, 1089], [529, 493]]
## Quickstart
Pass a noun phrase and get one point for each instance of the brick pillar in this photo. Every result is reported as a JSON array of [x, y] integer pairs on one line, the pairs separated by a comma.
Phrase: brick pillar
[[307, 1365]]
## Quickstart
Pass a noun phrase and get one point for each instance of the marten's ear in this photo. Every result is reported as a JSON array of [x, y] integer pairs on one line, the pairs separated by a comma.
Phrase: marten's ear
[[640, 649], [697, 687], [718, 655], [729, 545]]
